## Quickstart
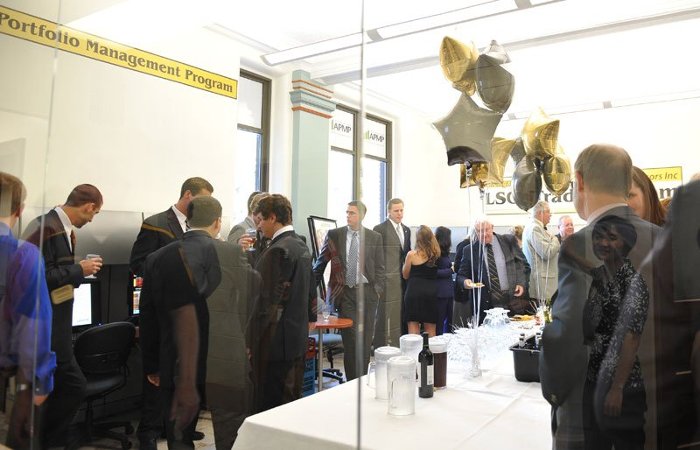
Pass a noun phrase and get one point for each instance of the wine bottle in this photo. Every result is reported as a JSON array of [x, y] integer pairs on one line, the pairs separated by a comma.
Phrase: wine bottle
[[425, 359]]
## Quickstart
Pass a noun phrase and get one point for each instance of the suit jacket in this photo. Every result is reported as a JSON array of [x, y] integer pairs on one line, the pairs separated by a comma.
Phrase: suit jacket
[[156, 232], [541, 250], [564, 357], [240, 229], [61, 271], [183, 272], [394, 257], [473, 267], [334, 251], [286, 305], [461, 294], [229, 380]]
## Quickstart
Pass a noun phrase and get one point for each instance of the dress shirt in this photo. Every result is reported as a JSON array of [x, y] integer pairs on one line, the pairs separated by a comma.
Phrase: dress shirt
[[180, 218], [67, 225], [284, 229], [348, 240], [500, 259], [399, 230], [602, 210]]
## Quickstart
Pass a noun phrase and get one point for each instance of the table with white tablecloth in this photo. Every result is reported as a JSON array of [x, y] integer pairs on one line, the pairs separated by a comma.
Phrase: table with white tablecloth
[[493, 411]]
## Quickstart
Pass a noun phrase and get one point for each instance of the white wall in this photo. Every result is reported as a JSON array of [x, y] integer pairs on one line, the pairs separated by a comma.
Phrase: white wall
[[135, 136]]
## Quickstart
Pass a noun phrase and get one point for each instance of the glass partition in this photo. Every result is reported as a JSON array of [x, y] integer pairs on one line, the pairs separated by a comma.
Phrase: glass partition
[[244, 186]]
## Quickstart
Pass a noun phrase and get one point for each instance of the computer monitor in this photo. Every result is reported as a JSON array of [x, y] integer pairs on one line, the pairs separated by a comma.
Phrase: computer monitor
[[86, 306]]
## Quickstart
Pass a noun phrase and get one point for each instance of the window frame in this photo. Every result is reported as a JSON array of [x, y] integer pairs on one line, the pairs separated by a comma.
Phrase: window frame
[[357, 137], [264, 131]]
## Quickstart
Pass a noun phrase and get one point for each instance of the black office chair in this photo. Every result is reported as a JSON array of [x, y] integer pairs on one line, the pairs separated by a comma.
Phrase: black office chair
[[332, 346], [102, 354]]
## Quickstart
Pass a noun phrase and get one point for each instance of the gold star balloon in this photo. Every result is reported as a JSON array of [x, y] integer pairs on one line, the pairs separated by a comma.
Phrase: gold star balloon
[[488, 174], [467, 131], [540, 135], [556, 172], [458, 62]]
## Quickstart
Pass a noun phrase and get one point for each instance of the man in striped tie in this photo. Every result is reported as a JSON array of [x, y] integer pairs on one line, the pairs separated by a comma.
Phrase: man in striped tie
[[357, 272], [492, 270]]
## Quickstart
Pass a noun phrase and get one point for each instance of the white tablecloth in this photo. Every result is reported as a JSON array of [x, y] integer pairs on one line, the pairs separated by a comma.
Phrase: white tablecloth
[[493, 411]]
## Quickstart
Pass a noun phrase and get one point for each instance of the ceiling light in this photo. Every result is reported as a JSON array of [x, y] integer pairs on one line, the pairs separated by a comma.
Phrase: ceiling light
[[661, 98], [454, 17], [317, 48], [479, 11], [556, 111]]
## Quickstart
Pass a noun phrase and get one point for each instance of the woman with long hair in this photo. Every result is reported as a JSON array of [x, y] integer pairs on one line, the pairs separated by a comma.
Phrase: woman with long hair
[[445, 285], [644, 200], [421, 290]]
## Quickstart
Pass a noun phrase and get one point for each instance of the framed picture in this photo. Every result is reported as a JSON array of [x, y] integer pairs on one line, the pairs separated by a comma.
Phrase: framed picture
[[318, 229]]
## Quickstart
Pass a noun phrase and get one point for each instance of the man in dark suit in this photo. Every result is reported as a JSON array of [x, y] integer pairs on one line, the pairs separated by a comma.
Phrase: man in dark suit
[[178, 279], [598, 193], [495, 261], [156, 232], [229, 384], [396, 237], [356, 255], [285, 312], [54, 234]]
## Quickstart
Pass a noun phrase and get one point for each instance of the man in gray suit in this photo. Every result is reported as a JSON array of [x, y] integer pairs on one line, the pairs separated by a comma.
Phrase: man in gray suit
[[357, 271], [248, 223], [396, 236], [541, 250], [602, 182]]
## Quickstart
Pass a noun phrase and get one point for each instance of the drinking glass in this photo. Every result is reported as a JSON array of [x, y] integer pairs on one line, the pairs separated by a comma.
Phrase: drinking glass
[[326, 311], [253, 235], [92, 256]]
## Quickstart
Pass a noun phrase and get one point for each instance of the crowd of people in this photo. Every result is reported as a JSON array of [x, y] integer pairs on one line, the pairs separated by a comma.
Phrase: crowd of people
[[224, 323]]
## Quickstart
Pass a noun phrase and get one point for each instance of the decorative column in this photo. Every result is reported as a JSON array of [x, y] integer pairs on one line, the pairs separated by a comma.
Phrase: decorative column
[[312, 106]]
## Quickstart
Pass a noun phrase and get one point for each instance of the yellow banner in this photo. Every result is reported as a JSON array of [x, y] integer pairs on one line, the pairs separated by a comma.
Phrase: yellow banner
[[34, 29], [670, 174]]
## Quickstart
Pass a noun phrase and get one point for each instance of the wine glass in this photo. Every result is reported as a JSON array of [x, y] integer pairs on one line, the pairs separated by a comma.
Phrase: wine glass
[[252, 235]]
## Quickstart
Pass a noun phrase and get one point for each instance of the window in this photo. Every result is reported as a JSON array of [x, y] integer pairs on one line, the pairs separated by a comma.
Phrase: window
[[252, 143], [376, 165]]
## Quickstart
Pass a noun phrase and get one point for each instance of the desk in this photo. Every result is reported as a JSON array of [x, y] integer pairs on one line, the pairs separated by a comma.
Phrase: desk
[[493, 411], [335, 323]]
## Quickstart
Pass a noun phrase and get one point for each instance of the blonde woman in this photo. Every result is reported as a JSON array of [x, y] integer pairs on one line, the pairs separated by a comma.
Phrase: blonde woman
[[421, 290]]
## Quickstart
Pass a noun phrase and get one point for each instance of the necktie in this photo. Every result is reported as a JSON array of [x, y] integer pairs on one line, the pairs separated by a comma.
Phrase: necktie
[[495, 291], [353, 255], [399, 231], [72, 241]]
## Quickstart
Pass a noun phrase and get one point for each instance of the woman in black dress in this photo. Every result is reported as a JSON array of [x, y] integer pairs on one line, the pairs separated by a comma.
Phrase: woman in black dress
[[421, 290]]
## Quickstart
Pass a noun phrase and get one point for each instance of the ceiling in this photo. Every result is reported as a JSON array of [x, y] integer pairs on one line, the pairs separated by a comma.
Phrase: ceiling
[[566, 55]]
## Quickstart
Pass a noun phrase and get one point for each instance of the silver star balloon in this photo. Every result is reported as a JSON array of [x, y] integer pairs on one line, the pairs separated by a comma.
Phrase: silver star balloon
[[467, 131]]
